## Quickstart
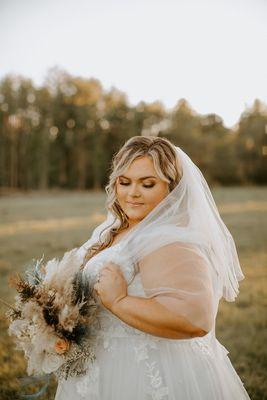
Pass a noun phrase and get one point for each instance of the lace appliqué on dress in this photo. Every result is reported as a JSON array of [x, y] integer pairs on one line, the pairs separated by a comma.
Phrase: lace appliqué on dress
[[156, 389], [108, 345], [204, 347], [89, 384]]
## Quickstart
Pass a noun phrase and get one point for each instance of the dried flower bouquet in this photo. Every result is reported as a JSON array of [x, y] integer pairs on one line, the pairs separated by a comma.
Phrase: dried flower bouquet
[[52, 315]]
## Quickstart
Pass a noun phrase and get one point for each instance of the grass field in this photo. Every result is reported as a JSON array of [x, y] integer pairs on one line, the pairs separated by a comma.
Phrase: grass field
[[54, 222]]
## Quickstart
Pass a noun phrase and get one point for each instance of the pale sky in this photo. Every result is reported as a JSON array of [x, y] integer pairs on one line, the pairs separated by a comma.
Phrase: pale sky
[[211, 52]]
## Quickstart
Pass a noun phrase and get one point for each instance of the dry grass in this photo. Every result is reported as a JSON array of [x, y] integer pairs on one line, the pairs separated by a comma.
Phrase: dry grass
[[51, 223]]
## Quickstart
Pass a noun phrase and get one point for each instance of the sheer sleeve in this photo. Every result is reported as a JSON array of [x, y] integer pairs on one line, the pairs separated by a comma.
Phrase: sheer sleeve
[[178, 276]]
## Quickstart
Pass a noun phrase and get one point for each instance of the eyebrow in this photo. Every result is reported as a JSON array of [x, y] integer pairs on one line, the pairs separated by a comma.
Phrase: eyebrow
[[141, 179]]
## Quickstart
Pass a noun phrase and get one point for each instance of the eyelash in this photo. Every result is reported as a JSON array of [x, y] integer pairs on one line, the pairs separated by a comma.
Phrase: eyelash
[[145, 186]]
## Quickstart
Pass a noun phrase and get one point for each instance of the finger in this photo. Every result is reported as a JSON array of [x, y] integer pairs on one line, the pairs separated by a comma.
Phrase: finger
[[111, 265], [96, 287], [113, 268], [108, 267], [105, 272]]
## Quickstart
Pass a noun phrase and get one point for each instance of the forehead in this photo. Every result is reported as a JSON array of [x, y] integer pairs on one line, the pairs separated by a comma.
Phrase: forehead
[[141, 166]]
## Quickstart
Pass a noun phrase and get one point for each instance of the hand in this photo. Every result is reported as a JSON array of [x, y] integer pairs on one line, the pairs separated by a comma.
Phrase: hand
[[112, 286]]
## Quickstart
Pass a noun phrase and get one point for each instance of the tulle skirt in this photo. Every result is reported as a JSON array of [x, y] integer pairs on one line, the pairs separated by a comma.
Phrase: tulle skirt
[[145, 367]]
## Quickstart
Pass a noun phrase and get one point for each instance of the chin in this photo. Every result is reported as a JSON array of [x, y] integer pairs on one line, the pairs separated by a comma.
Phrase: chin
[[134, 214]]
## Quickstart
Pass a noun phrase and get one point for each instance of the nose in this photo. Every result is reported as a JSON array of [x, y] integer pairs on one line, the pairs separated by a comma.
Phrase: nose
[[134, 191]]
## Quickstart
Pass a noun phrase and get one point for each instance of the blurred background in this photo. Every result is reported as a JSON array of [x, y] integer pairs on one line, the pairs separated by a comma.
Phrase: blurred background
[[77, 79]]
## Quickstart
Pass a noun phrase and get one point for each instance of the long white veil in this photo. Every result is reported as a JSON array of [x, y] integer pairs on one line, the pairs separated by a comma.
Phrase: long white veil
[[192, 247]]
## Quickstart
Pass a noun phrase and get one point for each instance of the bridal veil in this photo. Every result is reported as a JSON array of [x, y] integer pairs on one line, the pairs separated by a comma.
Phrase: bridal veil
[[186, 255]]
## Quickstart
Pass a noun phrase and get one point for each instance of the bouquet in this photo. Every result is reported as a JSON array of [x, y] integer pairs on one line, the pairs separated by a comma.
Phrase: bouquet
[[51, 319]]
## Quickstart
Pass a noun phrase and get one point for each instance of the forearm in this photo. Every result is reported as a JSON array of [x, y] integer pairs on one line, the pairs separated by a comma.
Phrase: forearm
[[149, 316]]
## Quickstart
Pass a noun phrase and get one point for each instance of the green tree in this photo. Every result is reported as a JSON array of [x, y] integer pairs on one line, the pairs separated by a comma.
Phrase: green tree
[[251, 143]]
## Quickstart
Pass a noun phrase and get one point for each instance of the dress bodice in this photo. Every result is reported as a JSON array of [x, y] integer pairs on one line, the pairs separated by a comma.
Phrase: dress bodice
[[130, 271], [108, 324]]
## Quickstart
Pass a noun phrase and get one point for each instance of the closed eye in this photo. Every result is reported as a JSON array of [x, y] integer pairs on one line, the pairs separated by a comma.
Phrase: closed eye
[[145, 186]]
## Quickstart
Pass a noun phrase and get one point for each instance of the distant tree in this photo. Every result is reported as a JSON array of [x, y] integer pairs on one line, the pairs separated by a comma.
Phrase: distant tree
[[184, 130], [251, 143], [217, 144], [65, 133]]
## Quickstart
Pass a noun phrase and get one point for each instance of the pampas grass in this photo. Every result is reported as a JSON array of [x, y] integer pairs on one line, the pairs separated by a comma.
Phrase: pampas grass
[[51, 317]]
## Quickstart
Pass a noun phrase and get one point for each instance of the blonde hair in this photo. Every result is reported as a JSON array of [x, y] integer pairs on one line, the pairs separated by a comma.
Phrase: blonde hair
[[166, 164]]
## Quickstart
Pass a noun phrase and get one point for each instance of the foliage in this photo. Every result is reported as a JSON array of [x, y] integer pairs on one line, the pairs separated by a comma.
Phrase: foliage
[[65, 133]]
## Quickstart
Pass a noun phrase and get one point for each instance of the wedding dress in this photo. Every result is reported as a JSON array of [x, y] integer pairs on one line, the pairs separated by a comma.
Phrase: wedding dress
[[133, 365], [182, 254]]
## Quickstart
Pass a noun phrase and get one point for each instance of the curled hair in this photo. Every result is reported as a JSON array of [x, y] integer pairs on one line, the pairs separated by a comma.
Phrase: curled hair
[[166, 164]]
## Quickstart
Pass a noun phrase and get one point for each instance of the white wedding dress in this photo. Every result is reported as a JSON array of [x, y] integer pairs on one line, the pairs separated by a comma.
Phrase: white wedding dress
[[133, 365]]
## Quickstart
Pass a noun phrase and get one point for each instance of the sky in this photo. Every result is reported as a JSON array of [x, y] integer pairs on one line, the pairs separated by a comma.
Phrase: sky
[[210, 52]]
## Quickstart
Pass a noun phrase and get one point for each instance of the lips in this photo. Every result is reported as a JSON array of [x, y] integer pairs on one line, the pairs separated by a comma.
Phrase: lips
[[135, 204]]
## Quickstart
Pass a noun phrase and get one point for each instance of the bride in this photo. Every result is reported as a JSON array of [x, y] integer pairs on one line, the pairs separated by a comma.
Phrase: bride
[[161, 262]]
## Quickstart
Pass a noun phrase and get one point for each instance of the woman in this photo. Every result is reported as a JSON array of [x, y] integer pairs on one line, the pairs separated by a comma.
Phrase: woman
[[161, 262]]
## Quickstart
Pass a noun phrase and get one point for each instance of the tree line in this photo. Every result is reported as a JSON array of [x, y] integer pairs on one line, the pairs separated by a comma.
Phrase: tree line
[[64, 134]]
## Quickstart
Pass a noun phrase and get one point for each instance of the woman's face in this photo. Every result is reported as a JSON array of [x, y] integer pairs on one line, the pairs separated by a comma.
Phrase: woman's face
[[140, 189]]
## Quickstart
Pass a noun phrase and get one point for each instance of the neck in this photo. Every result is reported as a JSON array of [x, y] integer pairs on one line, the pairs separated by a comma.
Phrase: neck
[[132, 223]]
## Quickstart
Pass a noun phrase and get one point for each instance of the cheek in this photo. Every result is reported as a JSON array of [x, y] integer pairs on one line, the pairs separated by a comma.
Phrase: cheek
[[154, 196], [121, 192], [122, 196]]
